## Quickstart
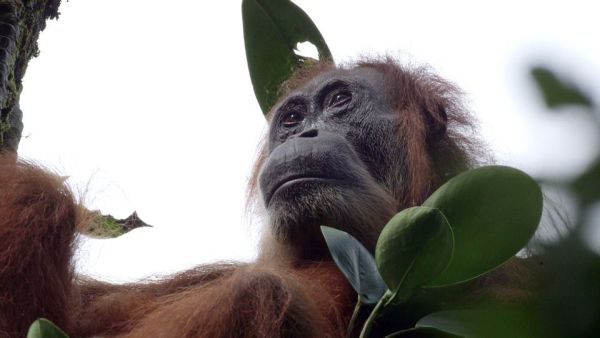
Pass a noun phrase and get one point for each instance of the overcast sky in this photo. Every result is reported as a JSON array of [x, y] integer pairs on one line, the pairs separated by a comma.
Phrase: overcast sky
[[147, 105]]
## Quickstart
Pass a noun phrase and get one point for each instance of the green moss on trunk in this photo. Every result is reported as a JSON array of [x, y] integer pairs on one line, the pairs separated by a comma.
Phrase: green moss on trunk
[[20, 25]]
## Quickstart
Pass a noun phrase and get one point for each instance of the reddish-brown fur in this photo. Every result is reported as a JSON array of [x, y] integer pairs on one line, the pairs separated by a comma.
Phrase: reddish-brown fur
[[37, 228], [284, 298]]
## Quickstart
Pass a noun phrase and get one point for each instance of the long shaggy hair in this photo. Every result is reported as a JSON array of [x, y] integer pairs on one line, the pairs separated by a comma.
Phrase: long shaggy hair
[[39, 217]]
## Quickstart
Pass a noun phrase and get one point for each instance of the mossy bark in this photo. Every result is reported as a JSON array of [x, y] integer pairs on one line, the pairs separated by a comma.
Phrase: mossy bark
[[21, 22]]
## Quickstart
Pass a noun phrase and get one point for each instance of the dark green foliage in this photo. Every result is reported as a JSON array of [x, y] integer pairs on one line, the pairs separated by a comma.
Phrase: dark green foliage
[[488, 322], [556, 92], [469, 226], [272, 30], [571, 295], [587, 185], [570, 299], [43, 328], [413, 249], [493, 212]]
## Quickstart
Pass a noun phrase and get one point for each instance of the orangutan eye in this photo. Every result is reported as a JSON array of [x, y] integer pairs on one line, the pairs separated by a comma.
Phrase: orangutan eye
[[292, 119], [340, 99]]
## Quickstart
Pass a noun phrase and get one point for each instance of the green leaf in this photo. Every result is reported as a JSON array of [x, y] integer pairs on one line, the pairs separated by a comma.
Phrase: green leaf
[[272, 30], [106, 226], [587, 185], [422, 332], [493, 212], [356, 263], [414, 247], [486, 323], [556, 92], [571, 277], [43, 328]]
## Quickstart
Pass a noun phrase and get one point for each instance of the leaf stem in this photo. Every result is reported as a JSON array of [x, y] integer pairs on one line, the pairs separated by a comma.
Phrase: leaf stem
[[401, 333], [354, 317], [366, 330]]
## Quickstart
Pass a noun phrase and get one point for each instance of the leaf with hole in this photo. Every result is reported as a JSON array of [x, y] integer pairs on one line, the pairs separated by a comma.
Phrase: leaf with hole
[[493, 212], [414, 247], [356, 263], [272, 31]]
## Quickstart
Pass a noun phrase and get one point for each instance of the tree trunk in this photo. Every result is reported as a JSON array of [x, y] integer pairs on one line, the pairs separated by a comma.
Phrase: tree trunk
[[21, 22]]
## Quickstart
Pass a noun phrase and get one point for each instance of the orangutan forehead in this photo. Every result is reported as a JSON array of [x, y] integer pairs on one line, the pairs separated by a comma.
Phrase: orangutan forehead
[[365, 76]]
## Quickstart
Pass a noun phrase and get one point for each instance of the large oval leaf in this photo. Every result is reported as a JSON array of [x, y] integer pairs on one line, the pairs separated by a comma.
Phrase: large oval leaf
[[272, 30], [356, 263], [520, 322], [493, 212], [43, 328], [414, 247]]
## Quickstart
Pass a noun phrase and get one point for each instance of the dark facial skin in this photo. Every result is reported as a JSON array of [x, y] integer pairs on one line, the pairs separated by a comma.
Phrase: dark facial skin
[[334, 159]]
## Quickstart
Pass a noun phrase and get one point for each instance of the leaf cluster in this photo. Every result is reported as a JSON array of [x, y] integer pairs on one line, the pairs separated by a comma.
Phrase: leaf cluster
[[469, 226]]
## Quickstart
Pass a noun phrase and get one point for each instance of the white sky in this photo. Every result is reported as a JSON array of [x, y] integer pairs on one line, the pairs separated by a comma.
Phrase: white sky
[[147, 105]]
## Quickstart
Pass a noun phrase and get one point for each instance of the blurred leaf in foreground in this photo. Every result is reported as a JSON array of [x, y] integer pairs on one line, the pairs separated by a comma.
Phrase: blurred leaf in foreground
[[587, 186], [572, 295], [556, 92]]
